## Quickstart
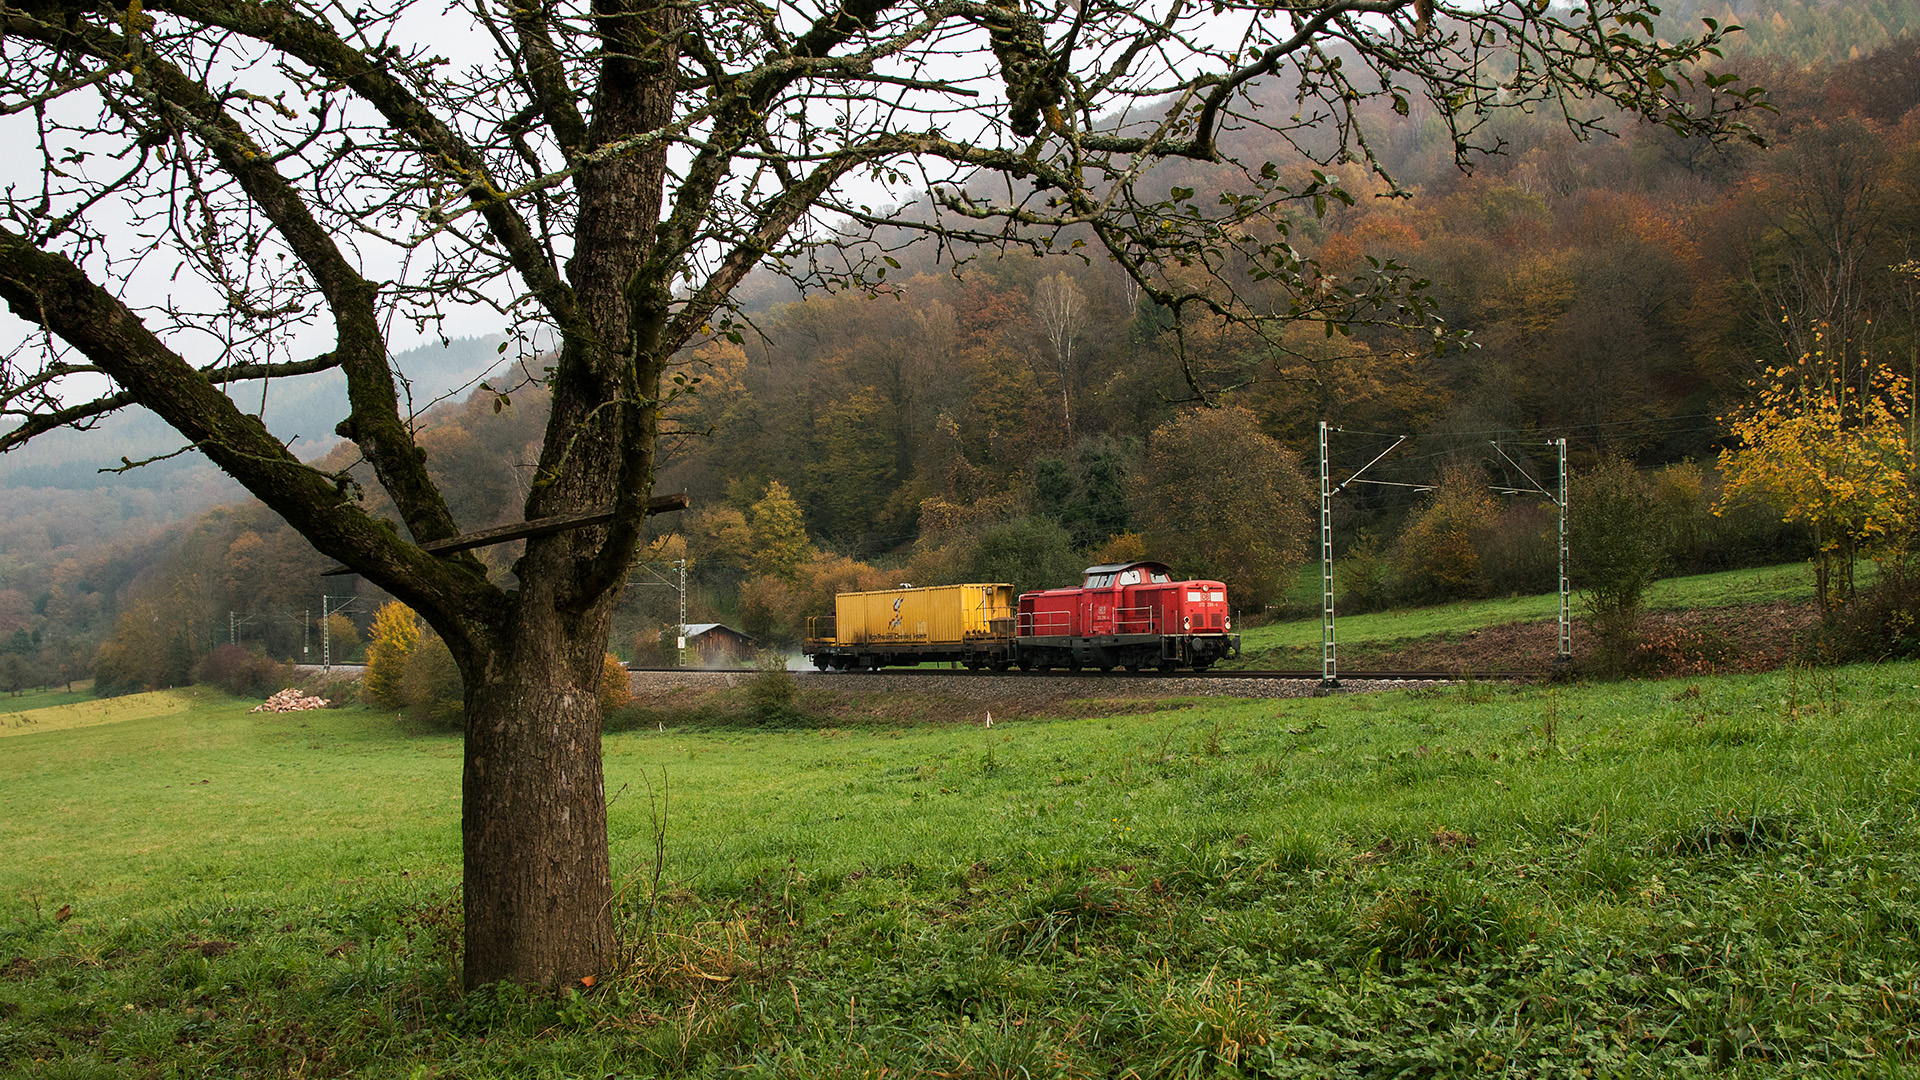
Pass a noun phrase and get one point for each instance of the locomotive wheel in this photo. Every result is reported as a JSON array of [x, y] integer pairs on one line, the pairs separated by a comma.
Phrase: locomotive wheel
[[1073, 665], [1168, 667]]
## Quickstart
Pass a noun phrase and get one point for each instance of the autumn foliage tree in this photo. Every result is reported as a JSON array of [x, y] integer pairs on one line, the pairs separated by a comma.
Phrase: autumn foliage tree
[[392, 639], [1435, 554], [1832, 453], [1219, 499]]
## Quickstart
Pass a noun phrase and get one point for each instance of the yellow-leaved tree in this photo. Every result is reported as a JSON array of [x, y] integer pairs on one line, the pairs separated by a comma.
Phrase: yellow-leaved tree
[[1830, 449], [616, 689], [394, 635], [780, 541]]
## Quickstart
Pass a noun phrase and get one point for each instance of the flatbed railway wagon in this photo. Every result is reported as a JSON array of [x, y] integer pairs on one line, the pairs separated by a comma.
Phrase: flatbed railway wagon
[[968, 624]]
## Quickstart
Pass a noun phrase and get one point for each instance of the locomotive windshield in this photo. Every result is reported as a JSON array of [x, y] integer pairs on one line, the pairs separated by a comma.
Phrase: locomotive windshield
[[1098, 581], [1159, 577]]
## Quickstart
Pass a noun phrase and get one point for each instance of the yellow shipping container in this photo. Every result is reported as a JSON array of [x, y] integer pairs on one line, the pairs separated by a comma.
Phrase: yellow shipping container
[[935, 616]]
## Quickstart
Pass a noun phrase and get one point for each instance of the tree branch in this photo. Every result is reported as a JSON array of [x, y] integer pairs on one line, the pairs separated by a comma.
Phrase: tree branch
[[48, 290]]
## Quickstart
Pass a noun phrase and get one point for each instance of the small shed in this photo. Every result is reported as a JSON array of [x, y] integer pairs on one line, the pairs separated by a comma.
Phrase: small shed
[[718, 645]]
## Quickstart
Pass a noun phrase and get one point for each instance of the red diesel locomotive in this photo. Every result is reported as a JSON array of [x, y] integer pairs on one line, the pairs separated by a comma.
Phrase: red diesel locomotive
[[1127, 615]]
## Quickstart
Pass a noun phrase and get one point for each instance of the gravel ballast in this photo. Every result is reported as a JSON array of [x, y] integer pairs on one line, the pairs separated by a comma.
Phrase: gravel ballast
[[1026, 689]]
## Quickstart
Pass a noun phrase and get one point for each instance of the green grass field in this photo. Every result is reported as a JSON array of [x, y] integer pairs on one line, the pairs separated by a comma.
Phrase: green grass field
[[1715, 876], [1793, 583]]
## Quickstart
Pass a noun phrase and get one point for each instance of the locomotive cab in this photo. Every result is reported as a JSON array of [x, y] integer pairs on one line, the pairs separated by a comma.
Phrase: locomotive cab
[[1132, 615]]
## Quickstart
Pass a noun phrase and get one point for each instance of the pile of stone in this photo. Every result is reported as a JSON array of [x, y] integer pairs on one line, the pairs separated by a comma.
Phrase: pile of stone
[[290, 700]]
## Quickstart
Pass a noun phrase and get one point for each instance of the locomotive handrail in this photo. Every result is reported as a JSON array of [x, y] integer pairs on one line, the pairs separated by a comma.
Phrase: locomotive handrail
[[1035, 623]]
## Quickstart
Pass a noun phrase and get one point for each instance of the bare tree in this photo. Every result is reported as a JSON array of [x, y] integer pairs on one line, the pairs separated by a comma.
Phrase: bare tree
[[1062, 310], [201, 187]]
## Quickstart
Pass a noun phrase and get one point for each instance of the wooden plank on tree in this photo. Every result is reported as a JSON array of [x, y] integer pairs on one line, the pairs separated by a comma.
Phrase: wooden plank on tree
[[546, 526]]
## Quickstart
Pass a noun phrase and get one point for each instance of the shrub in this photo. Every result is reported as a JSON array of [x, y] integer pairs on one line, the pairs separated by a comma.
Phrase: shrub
[[1879, 623], [431, 688], [770, 692], [1435, 557], [1365, 577], [1617, 539], [770, 698], [616, 688], [243, 672]]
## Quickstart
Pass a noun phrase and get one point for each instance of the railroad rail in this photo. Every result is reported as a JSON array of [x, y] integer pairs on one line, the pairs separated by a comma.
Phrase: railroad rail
[[1456, 675]]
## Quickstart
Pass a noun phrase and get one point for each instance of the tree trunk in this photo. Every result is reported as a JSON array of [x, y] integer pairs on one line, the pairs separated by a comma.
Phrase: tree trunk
[[537, 889]]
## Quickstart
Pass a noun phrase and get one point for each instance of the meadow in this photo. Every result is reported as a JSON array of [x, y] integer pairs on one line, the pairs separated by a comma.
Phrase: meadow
[[1711, 876], [1764, 585]]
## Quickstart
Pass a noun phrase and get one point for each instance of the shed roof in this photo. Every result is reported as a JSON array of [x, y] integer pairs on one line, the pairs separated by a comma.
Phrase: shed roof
[[694, 630]]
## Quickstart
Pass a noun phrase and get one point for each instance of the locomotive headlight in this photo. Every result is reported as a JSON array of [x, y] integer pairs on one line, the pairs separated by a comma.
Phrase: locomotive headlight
[[1187, 623], [1229, 622]]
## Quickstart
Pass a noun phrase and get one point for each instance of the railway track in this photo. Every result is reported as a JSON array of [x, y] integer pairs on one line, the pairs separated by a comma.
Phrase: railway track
[[1089, 673]]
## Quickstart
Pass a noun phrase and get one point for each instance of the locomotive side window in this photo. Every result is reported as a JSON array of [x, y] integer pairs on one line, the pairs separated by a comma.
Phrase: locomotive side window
[[1098, 581], [1130, 577], [1158, 577]]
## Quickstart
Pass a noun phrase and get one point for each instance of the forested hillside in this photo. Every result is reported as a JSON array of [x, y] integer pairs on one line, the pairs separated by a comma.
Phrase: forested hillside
[[1013, 418]]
